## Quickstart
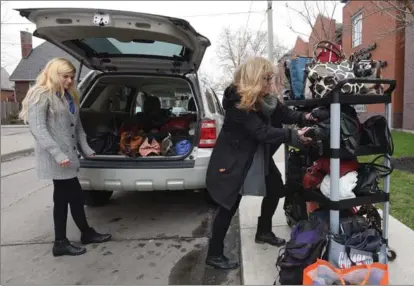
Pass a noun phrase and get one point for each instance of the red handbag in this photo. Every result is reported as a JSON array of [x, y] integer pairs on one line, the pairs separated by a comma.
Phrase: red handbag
[[345, 166], [313, 176], [328, 52], [177, 123]]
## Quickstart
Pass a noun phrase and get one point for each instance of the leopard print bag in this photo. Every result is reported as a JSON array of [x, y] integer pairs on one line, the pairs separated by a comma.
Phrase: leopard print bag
[[323, 77]]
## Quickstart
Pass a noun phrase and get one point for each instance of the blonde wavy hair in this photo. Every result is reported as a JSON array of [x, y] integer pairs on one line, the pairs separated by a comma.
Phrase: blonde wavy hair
[[249, 81], [48, 84]]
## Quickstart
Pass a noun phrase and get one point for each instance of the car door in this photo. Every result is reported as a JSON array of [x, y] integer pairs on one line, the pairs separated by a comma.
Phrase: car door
[[109, 40]]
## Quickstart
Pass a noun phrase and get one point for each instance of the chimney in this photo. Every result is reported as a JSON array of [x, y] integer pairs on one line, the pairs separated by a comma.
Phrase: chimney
[[26, 43]]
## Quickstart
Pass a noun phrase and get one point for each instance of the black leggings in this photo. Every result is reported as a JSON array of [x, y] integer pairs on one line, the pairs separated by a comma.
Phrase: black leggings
[[221, 224], [68, 192]]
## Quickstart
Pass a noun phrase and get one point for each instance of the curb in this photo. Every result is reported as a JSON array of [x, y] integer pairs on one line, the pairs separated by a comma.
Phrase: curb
[[12, 155], [15, 126]]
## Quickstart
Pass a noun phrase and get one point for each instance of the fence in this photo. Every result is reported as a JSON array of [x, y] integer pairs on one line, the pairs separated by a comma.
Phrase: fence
[[7, 109]]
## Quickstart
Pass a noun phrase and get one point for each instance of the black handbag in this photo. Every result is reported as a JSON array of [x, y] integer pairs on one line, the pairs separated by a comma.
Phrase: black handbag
[[369, 175], [375, 132]]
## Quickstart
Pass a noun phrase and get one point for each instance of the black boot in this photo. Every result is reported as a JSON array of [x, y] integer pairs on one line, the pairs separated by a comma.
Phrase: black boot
[[221, 262], [64, 247], [91, 236], [264, 233]]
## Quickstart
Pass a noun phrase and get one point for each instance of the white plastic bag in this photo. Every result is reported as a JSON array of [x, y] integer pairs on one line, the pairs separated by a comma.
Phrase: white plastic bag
[[346, 184]]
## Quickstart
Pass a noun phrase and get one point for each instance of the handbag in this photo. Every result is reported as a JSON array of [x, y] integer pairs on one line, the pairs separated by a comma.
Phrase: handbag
[[313, 176], [326, 51], [376, 132], [369, 175], [358, 242], [323, 273], [130, 142]]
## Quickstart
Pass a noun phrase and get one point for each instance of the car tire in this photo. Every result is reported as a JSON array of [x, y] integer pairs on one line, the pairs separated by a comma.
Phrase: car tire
[[97, 198], [209, 199]]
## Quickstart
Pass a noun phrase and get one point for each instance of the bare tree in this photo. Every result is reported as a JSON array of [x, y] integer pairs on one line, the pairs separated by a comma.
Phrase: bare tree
[[4, 19], [208, 80], [402, 11], [309, 13], [236, 45]]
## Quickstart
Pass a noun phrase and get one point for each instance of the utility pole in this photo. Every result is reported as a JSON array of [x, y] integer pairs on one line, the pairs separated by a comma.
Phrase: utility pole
[[270, 31]]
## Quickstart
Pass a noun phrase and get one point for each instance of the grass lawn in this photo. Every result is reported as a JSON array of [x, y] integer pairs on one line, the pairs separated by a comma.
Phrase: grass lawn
[[402, 183]]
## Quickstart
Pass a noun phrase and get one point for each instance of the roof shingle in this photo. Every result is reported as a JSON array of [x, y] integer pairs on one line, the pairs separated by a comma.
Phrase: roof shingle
[[29, 68], [6, 84]]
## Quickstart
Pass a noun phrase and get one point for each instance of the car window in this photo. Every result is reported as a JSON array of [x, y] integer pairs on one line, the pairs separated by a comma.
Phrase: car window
[[210, 101], [113, 47], [217, 104], [176, 102], [120, 101]]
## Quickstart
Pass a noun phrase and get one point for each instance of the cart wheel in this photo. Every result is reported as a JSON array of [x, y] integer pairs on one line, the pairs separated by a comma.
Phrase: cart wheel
[[391, 254], [289, 222]]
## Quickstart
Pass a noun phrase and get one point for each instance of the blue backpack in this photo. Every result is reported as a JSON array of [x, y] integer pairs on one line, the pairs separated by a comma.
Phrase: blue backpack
[[296, 76]]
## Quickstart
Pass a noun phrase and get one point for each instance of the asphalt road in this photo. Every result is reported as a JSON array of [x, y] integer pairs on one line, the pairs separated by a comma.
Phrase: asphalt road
[[159, 238]]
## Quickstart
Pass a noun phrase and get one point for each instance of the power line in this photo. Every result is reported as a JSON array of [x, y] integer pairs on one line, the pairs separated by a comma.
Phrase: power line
[[248, 18], [222, 14]]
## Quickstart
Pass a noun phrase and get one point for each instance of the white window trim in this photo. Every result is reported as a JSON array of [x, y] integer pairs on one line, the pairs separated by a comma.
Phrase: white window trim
[[356, 36]]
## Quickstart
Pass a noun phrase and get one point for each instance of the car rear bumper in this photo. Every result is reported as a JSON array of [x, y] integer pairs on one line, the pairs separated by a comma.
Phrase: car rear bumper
[[143, 179], [182, 175]]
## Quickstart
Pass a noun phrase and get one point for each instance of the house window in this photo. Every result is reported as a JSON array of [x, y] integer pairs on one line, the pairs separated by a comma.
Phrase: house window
[[357, 29]]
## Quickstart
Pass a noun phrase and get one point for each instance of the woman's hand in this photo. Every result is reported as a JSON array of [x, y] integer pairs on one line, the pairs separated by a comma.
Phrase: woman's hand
[[65, 163], [301, 134], [309, 117], [92, 155]]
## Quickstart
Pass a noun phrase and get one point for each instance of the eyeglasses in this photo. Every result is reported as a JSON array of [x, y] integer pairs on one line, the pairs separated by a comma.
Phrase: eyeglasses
[[268, 78]]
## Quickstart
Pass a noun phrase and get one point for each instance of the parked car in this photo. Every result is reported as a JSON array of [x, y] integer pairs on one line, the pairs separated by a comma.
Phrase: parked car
[[133, 56]]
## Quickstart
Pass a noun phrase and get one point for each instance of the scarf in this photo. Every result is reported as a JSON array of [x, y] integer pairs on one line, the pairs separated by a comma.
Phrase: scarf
[[268, 104]]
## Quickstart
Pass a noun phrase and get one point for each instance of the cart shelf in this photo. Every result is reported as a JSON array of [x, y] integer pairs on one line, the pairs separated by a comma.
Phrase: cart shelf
[[335, 95], [317, 196], [335, 99], [362, 150]]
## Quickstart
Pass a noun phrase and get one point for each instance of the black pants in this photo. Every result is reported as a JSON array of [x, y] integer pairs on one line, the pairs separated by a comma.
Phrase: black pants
[[222, 220], [68, 192]]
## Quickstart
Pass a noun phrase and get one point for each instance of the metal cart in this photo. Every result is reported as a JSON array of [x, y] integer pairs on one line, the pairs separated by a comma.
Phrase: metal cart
[[335, 99]]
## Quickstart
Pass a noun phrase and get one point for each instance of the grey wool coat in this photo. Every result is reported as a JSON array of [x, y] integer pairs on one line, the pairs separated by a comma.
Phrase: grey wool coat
[[57, 133]]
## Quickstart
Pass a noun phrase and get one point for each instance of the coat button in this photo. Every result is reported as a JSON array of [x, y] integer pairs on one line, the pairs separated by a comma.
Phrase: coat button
[[73, 136], [71, 125], [74, 148]]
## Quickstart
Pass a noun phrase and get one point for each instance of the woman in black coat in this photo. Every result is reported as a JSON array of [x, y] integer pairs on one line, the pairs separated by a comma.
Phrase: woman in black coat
[[241, 162]]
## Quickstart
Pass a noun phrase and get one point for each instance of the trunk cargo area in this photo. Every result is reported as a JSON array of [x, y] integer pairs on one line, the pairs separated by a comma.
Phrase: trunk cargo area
[[140, 117]]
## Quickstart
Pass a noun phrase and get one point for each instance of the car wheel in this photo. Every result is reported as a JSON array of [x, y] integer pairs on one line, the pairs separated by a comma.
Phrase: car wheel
[[97, 198], [209, 199]]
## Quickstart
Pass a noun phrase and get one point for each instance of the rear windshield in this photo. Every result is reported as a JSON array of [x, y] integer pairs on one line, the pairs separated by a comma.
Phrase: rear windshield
[[113, 47]]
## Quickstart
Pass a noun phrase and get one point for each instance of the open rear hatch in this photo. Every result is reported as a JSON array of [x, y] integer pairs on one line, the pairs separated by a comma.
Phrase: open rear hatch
[[108, 40]]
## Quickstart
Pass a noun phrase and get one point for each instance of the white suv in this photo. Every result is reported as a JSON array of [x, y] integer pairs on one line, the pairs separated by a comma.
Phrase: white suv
[[133, 56]]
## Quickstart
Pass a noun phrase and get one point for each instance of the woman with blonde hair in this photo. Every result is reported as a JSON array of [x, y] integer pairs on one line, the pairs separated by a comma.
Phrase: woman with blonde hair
[[51, 108], [241, 162]]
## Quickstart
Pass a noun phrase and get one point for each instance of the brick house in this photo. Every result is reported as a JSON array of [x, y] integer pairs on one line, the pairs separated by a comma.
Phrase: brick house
[[7, 89], [364, 25], [33, 61]]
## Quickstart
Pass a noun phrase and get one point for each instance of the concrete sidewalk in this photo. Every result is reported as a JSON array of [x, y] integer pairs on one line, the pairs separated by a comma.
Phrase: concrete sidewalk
[[258, 261], [16, 144]]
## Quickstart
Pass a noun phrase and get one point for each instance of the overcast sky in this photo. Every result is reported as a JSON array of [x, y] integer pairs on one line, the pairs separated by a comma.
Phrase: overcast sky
[[199, 13]]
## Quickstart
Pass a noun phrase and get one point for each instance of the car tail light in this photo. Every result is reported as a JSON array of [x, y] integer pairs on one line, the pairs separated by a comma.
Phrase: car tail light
[[208, 134]]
